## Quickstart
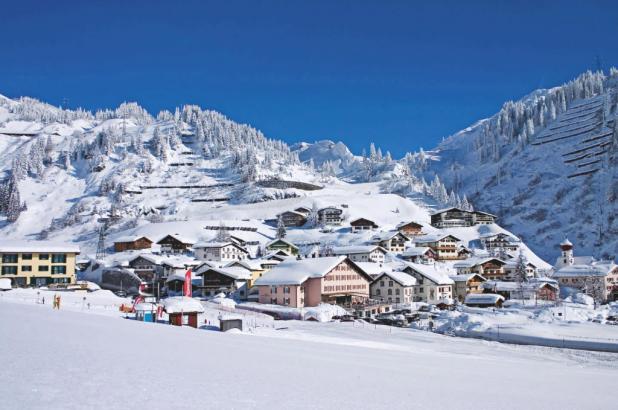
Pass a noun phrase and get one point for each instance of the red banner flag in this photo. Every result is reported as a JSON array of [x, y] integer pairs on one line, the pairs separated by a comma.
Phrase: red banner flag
[[187, 286]]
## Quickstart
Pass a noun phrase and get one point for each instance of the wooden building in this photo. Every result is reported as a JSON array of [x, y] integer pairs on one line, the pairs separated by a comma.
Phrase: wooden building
[[410, 229], [466, 284], [175, 244], [393, 241], [293, 218], [455, 218], [282, 245], [330, 215], [363, 224], [182, 310], [231, 281], [131, 243], [445, 246]]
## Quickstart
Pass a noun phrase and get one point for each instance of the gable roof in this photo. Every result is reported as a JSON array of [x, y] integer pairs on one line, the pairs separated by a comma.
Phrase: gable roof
[[385, 236], [400, 277], [356, 249], [128, 238], [274, 241], [429, 272], [295, 272], [435, 238], [205, 245], [416, 251], [467, 277], [179, 238], [483, 298], [37, 247], [402, 224], [363, 222], [234, 272]]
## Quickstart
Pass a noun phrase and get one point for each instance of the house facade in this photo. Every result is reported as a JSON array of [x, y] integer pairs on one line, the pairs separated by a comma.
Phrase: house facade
[[131, 243], [293, 218], [410, 229], [446, 247], [490, 268], [367, 253], [391, 241], [362, 224], [282, 245], [309, 282], [393, 287], [419, 255], [231, 280], [466, 284], [432, 285], [175, 244], [455, 218], [37, 263], [330, 216], [219, 251]]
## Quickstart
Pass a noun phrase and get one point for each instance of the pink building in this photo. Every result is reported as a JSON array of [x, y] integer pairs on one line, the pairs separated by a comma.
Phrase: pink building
[[309, 282]]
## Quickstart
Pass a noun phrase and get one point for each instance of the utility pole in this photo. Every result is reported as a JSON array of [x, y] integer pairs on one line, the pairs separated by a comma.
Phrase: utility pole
[[101, 243]]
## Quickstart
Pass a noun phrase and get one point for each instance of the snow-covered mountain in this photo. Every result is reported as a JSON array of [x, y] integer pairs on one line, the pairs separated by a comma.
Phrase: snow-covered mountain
[[547, 165]]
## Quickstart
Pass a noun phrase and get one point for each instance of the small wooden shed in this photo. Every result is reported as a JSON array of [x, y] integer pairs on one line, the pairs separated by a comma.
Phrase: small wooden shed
[[182, 310]]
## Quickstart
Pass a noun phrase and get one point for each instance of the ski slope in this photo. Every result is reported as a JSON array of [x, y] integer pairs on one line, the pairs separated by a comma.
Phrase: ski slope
[[77, 360]]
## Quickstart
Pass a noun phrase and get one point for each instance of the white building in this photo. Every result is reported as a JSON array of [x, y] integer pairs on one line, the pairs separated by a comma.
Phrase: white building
[[362, 253], [432, 285], [393, 287], [219, 251]]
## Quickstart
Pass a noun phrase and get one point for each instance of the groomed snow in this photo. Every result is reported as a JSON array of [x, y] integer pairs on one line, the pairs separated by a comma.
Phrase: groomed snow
[[87, 361]]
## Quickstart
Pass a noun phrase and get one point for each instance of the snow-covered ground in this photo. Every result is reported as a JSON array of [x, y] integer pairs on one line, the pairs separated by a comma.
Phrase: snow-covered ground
[[73, 360]]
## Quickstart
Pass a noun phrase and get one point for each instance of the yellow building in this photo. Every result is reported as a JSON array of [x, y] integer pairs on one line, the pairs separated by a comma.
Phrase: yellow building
[[36, 263]]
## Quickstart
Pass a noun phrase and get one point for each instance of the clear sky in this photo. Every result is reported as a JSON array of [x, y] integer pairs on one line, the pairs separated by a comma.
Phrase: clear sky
[[402, 74]]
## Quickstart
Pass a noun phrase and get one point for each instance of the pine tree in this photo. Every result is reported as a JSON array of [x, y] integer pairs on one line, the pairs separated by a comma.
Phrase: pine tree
[[14, 206], [313, 217], [49, 149], [281, 232]]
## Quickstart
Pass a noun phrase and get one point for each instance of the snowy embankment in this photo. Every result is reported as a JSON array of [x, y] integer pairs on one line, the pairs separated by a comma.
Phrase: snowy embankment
[[349, 367], [566, 326]]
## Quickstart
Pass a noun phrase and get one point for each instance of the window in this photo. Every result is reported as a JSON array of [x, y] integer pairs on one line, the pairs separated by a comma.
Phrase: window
[[59, 258], [390, 291], [397, 300], [9, 270], [397, 291], [286, 289], [378, 292], [382, 283], [26, 256], [390, 283], [59, 270], [26, 268], [9, 258], [43, 268], [43, 256]]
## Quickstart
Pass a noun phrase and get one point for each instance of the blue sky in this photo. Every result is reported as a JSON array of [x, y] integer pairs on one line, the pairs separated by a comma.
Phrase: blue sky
[[402, 74]]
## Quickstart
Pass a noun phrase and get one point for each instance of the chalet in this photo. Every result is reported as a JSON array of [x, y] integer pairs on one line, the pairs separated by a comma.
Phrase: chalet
[[175, 244], [330, 216], [175, 283], [282, 245], [362, 224], [219, 251], [455, 218], [393, 287], [231, 281], [410, 229], [484, 300], [37, 263], [309, 282], [490, 268], [131, 243], [432, 285], [361, 253], [463, 252], [393, 241], [293, 218], [444, 246], [147, 266], [177, 265], [419, 255], [467, 284], [547, 290], [500, 242], [303, 210], [510, 269]]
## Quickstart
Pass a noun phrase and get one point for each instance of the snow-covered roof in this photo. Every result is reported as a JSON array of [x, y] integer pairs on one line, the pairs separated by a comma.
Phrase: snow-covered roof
[[146, 307], [430, 273], [597, 269], [400, 277], [434, 238], [355, 249], [207, 245], [474, 261], [178, 304], [295, 272], [501, 286], [123, 239], [369, 221], [8, 246], [234, 272], [385, 236], [288, 243], [483, 298], [415, 251], [373, 269], [566, 242], [466, 277], [179, 238], [250, 264], [180, 261]]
